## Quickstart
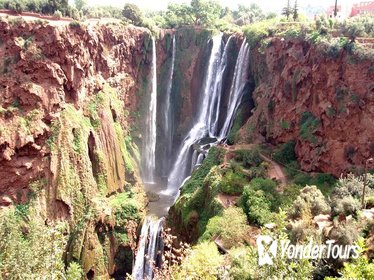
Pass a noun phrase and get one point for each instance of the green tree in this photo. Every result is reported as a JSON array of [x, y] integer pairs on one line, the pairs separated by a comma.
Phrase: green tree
[[246, 15], [295, 11], [79, 4], [287, 11], [205, 12], [132, 13]]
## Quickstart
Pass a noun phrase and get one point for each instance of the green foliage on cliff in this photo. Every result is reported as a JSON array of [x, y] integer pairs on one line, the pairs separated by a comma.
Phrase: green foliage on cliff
[[310, 202], [221, 228], [308, 126], [285, 153], [248, 158], [29, 248], [215, 157], [202, 262], [258, 199]]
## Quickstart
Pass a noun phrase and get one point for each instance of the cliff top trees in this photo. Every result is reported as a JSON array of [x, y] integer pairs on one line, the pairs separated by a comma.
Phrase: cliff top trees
[[198, 13], [288, 10], [132, 13]]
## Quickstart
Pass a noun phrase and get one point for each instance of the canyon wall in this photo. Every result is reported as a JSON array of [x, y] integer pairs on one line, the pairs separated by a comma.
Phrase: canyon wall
[[322, 99], [67, 98]]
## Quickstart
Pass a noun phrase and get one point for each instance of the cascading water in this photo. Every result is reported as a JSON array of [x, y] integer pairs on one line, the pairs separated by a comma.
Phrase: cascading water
[[149, 144], [237, 88], [167, 114], [208, 114], [189, 157], [216, 85], [201, 128], [149, 248]]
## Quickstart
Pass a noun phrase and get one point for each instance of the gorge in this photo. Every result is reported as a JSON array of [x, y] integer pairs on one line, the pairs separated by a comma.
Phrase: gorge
[[107, 124]]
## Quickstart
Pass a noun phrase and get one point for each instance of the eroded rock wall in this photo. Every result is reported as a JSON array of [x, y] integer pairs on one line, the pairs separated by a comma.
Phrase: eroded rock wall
[[325, 102]]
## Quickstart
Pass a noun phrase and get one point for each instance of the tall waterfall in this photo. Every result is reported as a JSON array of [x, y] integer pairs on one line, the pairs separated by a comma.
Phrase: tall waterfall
[[237, 88], [167, 114], [209, 110], [149, 248], [206, 117], [148, 160]]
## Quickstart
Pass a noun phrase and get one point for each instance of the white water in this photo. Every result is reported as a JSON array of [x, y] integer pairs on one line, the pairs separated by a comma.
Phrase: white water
[[216, 88], [208, 114], [149, 163], [150, 244], [168, 118], [201, 128], [237, 88]]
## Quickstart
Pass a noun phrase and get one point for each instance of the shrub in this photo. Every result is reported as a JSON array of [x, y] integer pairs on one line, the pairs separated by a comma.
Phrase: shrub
[[57, 14], [359, 268], [74, 271], [248, 157], [308, 126], [256, 206], [266, 185], [202, 262], [310, 202], [75, 24], [285, 153], [346, 206], [232, 183], [222, 227], [258, 31]]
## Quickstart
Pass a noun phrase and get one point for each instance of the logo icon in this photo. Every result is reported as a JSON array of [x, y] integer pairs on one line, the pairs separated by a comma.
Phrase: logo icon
[[267, 249]]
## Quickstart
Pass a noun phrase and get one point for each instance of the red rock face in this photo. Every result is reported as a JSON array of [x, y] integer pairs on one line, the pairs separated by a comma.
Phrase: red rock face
[[294, 77], [44, 67]]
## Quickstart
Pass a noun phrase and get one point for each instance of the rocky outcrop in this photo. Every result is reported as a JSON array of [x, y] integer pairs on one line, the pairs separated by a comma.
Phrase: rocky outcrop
[[322, 100], [67, 97]]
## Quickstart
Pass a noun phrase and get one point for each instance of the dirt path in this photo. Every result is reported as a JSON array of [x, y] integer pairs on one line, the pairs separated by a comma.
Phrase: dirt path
[[227, 200], [276, 172]]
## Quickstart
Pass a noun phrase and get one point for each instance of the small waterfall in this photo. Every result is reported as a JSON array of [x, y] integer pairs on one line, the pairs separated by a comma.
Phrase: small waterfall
[[206, 117], [148, 160], [237, 88], [149, 248], [167, 114]]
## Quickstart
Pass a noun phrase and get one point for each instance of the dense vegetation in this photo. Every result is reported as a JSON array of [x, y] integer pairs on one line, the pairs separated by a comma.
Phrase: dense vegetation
[[289, 214]]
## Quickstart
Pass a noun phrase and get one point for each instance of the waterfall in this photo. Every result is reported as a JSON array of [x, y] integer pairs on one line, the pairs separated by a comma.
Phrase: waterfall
[[206, 118], [149, 247], [149, 143], [209, 110], [167, 114], [216, 86], [237, 88]]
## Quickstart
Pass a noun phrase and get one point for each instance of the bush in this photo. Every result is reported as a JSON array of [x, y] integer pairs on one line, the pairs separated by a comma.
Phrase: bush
[[30, 248], [57, 14], [360, 268], [266, 185], [285, 153], [310, 202], [258, 31], [222, 227], [74, 271], [232, 183], [202, 262], [346, 206], [308, 126], [248, 157], [256, 206]]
